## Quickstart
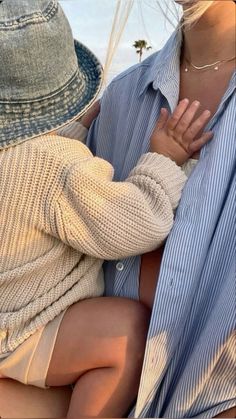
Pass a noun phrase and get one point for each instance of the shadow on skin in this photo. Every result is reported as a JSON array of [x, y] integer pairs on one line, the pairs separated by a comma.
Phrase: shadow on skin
[[20, 401]]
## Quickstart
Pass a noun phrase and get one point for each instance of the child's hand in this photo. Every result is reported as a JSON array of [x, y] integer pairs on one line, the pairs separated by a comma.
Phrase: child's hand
[[175, 136]]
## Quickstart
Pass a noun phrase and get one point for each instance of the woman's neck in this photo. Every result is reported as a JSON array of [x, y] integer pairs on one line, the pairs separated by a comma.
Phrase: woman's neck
[[212, 38]]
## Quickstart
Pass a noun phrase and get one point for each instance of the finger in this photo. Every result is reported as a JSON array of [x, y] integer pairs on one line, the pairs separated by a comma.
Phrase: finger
[[163, 118], [197, 126], [200, 142], [187, 118], [177, 114]]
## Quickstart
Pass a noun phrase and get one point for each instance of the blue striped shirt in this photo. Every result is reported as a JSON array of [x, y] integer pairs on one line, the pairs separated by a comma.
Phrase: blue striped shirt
[[188, 367]]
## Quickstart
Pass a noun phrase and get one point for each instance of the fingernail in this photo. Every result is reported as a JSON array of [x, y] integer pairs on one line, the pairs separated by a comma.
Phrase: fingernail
[[185, 100], [207, 113], [196, 103]]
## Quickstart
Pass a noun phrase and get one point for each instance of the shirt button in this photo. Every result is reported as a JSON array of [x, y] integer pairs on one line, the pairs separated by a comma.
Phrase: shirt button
[[119, 266]]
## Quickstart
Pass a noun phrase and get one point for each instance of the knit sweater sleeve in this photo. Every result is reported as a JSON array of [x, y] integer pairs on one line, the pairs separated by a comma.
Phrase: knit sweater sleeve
[[111, 220]]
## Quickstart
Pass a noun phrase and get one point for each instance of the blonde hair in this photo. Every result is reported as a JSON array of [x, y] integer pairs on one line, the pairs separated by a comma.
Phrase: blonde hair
[[193, 13], [123, 8]]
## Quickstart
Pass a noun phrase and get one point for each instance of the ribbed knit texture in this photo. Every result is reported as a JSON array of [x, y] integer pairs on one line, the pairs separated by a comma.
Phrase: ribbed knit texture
[[75, 130], [61, 215]]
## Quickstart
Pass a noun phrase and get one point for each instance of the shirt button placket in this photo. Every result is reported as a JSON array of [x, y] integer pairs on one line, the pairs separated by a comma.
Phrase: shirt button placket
[[119, 266]]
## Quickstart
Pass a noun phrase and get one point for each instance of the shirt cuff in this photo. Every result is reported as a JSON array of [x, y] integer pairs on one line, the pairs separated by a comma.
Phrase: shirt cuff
[[164, 171]]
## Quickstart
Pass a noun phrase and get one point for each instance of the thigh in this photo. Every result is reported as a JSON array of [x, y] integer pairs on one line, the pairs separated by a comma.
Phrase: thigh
[[20, 401], [230, 413], [90, 335]]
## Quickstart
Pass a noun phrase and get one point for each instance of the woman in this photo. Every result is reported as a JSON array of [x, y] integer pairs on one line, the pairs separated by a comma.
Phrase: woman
[[61, 214], [184, 391], [188, 368]]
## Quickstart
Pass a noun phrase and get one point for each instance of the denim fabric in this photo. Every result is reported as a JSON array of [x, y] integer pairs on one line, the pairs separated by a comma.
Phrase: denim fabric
[[46, 79]]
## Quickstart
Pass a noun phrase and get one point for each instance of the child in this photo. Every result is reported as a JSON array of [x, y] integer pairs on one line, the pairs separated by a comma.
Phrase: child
[[61, 215]]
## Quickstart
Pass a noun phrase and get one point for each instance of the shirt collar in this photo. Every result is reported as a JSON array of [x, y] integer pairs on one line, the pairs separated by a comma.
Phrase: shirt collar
[[163, 73], [228, 94], [165, 66]]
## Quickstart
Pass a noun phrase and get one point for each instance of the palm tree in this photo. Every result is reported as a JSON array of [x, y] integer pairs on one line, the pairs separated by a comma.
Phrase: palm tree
[[141, 45]]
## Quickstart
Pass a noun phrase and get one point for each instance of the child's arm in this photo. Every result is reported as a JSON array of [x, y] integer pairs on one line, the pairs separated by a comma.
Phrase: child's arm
[[111, 220]]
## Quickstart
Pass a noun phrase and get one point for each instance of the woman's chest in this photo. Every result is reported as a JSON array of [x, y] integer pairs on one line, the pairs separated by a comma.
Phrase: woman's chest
[[206, 87]]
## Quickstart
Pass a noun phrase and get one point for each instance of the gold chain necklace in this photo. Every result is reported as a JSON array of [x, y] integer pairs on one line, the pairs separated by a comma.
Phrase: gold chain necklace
[[215, 65]]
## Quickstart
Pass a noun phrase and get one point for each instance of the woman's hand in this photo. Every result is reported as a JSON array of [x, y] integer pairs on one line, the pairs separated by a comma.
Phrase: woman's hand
[[175, 136], [90, 115]]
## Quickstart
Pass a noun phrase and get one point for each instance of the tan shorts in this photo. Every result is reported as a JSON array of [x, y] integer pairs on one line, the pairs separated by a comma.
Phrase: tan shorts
[[29, 363]]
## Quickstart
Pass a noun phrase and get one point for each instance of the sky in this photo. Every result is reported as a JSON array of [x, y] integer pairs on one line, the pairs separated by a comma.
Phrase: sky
[[91, 22]]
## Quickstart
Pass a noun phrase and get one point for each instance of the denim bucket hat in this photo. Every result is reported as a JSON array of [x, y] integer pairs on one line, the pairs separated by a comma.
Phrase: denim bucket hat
[[46, 78]]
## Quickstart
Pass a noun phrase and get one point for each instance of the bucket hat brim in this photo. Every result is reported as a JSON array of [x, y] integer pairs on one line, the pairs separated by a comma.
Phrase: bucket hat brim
[[23, 120]]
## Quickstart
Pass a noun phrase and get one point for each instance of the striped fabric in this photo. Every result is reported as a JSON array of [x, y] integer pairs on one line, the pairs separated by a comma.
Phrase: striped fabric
[[188, 366]]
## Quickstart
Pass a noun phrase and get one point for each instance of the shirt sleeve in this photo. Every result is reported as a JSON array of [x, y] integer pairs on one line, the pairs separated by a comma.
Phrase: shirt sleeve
[[111, 220]]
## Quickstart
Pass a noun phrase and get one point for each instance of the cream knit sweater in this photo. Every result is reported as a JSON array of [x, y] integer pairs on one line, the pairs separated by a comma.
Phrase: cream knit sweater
[[61, 215]]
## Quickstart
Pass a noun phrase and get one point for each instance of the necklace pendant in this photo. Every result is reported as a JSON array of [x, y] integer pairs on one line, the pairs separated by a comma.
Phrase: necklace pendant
[[216, 68], [186, 70]]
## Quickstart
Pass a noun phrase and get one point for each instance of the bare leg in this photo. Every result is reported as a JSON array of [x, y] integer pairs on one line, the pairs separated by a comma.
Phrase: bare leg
[[100, 347], [20, 401], [230, 413]]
